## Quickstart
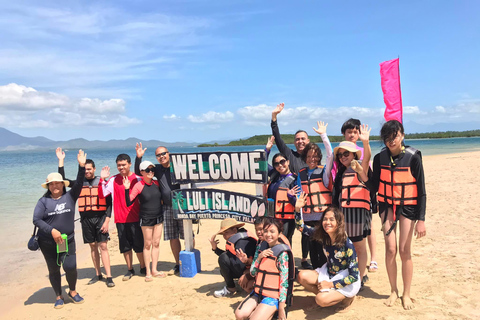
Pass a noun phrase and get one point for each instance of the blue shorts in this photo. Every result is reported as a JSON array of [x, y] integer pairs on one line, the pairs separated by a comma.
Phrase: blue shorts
[[267, 300]]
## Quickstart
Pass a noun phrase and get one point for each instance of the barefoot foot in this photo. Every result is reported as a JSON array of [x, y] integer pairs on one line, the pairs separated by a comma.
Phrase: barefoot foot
[[391, 300], [408, 303], [345, 305]]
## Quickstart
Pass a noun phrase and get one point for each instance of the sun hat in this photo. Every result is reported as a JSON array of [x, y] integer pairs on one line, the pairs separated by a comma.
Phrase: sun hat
[[145, 164], [54, 177], [349, 146], [229, 223]]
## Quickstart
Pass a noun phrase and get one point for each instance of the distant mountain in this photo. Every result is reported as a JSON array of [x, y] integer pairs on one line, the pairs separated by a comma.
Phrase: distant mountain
[[10, 141]]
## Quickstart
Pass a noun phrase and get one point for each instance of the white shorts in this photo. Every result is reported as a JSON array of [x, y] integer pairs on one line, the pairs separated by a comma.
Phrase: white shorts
[[348, 291]]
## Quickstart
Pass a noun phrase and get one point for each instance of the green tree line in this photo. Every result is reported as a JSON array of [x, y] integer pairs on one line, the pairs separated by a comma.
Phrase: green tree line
[[289, 138]]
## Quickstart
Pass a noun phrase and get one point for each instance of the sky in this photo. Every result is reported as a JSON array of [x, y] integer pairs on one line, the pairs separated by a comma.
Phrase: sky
[[201, 71]]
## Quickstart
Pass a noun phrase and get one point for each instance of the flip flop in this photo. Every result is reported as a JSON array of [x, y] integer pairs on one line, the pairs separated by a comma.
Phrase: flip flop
[[373, 267], [160, 274], [148, 279]]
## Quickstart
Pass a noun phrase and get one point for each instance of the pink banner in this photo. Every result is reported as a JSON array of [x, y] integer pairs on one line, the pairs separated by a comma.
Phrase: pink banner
[[392, 95]]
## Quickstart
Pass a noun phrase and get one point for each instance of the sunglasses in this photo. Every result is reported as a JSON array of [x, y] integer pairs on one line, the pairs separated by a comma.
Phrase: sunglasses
[[343, 154], [148, 170], [161, 154], [281, 162]]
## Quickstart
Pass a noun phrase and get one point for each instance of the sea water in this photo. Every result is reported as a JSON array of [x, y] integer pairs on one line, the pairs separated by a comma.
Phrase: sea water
[[22, 173]]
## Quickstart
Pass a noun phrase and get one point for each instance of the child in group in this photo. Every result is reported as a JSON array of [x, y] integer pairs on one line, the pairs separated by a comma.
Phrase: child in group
[[351, 195], [273, 269], [338, 279], [351, 130], [315, 182], [398, 176]]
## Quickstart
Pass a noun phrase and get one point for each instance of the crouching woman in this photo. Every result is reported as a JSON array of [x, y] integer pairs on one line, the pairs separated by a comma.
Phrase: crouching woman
[[338, 279]]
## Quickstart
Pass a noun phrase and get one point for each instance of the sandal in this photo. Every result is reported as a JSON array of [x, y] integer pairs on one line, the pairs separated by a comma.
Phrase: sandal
[[148, 279], [373, 267], [160, 274]]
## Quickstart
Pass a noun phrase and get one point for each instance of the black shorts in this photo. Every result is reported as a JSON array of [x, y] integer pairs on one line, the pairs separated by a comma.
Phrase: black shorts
[[130, 237], [407, 211], [91, 229], [150, 222]]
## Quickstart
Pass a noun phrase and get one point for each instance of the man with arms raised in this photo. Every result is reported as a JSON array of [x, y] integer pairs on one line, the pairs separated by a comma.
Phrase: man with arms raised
[[126, 218], [172, 228], [95, 216], [301, 140]]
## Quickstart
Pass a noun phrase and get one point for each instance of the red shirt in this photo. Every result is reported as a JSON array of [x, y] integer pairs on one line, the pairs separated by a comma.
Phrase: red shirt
[[114, 186]]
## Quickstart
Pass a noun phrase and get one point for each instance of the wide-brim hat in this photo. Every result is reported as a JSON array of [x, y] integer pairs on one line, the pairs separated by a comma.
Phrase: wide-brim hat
[[145, 164], [54, 177], [229, 223], [349, 146]]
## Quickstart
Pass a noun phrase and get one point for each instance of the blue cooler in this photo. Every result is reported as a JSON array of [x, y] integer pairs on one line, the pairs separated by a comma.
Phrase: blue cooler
[[189, 263]]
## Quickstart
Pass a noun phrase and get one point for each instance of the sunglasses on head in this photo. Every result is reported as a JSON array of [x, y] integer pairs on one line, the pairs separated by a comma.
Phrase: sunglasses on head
[[281, 162], [343, 154], [148, 170], [161, 154]]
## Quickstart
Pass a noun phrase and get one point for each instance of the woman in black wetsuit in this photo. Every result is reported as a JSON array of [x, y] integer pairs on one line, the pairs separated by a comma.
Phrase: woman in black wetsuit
[[151, 216], [54, 216]]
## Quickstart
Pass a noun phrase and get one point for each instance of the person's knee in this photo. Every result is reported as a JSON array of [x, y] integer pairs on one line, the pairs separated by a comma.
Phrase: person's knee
[[320, 300], [103, 246], [147, 244], [223, 259], [93, 246], [240, 314], [391, 250], [156, 243], [405, 253]]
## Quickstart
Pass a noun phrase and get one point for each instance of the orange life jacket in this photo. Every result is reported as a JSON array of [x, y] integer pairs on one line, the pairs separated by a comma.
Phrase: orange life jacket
[[230, 245], [89, 199], [267, 279], [283, 208], [397, 185], [318, 196], [354, 193]]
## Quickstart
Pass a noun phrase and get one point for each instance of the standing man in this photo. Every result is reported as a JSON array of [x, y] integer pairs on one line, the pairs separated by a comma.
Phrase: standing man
[[95, 216], [126, 218], [301, 140], [172, 228]]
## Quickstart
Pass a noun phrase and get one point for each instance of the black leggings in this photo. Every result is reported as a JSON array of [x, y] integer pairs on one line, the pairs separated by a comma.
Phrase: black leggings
[[230, 268], [69, 261], [306, 240], [289, 229]]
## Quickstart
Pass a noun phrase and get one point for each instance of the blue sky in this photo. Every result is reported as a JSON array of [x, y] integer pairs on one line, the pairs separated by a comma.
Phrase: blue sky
[[214, 70]]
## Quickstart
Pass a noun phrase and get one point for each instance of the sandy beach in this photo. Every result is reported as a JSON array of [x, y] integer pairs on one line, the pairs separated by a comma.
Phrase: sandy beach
[[446, 273]]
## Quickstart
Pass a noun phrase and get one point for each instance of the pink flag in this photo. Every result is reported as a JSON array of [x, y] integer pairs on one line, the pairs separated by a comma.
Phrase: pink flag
[[392, 95]]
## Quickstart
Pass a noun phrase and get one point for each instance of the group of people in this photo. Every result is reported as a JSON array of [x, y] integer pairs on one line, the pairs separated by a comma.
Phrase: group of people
[[142, 210], [331, 205]]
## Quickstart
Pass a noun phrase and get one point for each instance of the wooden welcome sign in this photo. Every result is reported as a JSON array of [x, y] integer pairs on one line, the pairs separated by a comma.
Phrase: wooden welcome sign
[[218, 167]]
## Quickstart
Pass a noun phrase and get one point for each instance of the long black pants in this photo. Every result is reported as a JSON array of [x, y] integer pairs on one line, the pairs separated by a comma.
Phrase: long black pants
[[230, 268], [288, 229], [68, 260]]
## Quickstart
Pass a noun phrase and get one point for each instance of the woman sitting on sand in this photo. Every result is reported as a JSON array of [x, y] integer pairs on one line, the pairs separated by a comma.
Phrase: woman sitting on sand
[[338, 279], [151, 216], [273, 269], [54, 217], [398, 177]]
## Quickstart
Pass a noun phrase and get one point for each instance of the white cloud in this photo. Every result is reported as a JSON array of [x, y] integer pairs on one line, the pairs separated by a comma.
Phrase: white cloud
[[412, 110], [171, 117], [93, 45], [440, 109], [212, 117], [25, 107]]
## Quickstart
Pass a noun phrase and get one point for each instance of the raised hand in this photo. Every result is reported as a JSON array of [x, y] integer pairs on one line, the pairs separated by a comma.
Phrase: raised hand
[[60, 154], [294, 191], [301, 201], [82, 158], [277, 110], [322, 127], [364, 134], [140, 150], [105, 173], [126, 183], [270, 143], [357, 167], [213, 242], [242, 256]]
